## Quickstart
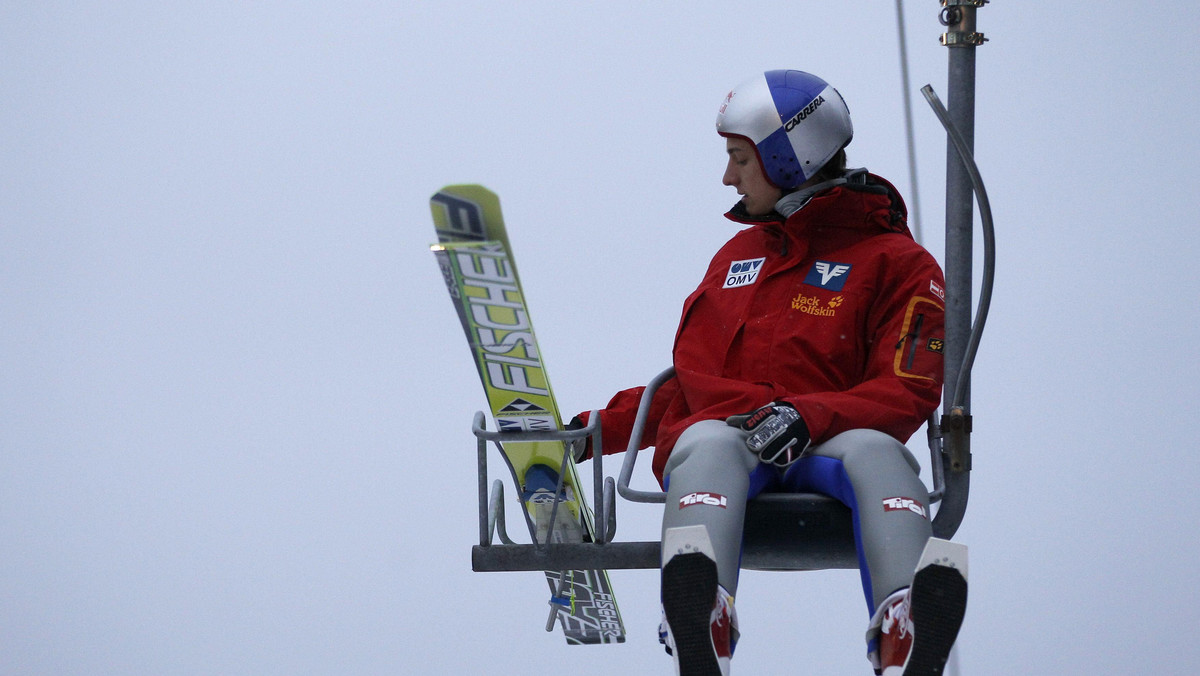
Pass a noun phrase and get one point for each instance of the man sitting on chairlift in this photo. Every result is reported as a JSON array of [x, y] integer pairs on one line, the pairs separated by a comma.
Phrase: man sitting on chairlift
[[808, 355]]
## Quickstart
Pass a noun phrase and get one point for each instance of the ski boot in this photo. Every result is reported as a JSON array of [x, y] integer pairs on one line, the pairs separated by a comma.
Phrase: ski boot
[[914, 629], [699, 625]]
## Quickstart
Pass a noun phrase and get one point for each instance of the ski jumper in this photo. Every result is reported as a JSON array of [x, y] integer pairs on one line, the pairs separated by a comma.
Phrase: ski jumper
[[837, 311]]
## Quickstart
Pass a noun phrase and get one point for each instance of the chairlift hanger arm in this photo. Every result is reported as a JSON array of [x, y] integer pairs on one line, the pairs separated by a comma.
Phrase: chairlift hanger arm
[[989, 243]]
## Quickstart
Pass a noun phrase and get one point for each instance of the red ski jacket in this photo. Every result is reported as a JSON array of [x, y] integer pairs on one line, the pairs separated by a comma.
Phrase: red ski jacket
[[835, 310]]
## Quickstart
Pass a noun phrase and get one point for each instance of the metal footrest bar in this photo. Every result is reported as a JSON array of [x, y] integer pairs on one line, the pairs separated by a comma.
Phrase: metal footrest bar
[[565, 556], [496, 515], [491, 508]]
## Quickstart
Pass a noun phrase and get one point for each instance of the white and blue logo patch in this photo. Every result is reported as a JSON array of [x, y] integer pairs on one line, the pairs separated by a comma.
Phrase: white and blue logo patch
[[743, 273], [827, 275]]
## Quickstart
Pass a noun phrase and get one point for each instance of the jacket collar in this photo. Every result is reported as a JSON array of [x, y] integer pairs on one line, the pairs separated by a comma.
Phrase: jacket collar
[[857, 200]]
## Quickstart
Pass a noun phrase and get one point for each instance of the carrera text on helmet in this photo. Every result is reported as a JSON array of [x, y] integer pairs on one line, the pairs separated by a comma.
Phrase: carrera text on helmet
[[808, 110]]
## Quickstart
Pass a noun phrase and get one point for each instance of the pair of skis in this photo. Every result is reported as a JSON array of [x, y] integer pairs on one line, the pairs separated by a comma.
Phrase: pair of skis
[[481, 276]]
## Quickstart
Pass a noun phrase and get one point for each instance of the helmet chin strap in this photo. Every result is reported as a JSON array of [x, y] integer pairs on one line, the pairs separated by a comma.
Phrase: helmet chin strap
[[796, 200]]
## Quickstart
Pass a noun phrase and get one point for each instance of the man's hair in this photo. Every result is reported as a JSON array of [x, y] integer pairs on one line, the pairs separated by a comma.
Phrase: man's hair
[[834, 168]]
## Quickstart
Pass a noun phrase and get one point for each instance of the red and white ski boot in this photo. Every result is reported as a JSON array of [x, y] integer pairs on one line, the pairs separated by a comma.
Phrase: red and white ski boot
[[914, 629], [699, 627]]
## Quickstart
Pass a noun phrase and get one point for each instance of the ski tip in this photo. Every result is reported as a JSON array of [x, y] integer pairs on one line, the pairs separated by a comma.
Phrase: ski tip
[[467, 213], [465, 190]]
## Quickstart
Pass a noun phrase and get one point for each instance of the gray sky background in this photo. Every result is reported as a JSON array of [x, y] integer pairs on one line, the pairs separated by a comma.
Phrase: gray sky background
[[234, 399]]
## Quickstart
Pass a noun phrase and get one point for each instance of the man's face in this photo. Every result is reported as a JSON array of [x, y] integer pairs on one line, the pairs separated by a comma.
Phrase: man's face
[[745, 173]]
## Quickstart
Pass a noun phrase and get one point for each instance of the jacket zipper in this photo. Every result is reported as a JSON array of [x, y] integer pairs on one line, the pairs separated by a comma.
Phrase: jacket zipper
[[914, 336]]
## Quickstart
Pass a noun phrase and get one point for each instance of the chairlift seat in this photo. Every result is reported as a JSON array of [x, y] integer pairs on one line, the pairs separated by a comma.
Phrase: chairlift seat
[[783, 531]]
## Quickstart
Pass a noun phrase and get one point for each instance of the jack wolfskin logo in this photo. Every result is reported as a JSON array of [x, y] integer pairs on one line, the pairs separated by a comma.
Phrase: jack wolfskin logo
[[743, 273], [901, 504], [827, 275], [811, 305], [710, 499]]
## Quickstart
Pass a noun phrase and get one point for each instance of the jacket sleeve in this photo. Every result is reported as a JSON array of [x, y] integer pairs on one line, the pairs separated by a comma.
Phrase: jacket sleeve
[[902, 384], [617, 418]]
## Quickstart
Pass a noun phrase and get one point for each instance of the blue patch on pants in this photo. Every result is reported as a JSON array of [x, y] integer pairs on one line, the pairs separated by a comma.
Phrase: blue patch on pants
[[827, 476]]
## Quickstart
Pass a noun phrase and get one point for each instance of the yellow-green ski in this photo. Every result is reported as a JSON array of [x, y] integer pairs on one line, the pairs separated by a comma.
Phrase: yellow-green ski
[[481, 276]]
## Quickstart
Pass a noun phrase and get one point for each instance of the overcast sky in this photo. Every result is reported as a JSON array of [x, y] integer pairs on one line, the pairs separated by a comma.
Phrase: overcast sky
[[235, 400]]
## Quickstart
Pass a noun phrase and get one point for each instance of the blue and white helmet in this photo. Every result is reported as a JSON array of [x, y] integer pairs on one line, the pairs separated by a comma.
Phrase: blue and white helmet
[[795, 120]]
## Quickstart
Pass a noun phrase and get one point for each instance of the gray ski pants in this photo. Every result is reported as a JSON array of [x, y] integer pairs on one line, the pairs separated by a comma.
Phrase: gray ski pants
[[711, 475]]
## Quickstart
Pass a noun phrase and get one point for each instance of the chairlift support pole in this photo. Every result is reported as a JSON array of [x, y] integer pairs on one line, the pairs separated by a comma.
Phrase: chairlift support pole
[[961, 39]]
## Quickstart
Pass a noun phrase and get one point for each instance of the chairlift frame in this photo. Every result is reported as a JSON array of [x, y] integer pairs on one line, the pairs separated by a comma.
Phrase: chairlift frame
[[796, 531]]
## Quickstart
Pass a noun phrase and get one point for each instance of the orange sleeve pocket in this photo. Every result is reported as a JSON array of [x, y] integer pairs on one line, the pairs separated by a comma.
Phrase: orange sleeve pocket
[[921, 341]]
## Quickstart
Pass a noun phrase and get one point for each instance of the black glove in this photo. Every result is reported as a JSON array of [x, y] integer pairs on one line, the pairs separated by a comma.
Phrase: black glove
[[778, 435], [576, 448]]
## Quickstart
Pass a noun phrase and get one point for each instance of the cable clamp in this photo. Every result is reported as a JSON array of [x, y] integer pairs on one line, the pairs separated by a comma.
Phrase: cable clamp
[[962, 39], [960, 14]]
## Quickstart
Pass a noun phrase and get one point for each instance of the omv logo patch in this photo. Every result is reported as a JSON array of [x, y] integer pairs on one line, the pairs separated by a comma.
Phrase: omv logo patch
[[743, 273], [828, 275]]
